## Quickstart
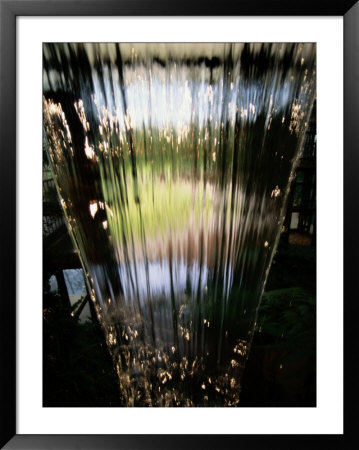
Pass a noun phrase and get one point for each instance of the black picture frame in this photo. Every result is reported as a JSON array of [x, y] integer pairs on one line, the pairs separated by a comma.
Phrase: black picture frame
[[9, 10]]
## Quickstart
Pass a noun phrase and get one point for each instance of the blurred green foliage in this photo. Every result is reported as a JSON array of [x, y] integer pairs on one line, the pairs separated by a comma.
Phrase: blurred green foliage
[[281, 369], [77, 369]]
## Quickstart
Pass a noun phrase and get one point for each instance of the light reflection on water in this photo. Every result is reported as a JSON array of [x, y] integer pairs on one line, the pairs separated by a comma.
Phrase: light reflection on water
[[173, 171]]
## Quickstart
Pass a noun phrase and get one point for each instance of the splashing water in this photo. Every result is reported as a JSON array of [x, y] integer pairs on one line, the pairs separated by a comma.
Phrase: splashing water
[[172, 163]]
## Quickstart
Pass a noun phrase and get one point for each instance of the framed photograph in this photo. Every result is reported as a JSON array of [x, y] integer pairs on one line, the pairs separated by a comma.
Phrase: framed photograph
[[175, 178]]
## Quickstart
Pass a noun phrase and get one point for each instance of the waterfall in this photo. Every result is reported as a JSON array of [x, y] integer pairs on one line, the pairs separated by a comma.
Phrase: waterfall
[[172, 164]]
